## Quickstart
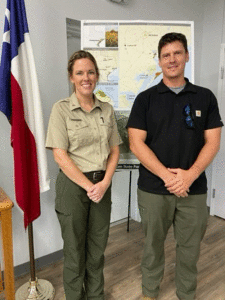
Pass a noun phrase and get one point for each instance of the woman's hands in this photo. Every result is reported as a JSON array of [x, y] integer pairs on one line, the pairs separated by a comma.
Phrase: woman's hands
[[97, 191]]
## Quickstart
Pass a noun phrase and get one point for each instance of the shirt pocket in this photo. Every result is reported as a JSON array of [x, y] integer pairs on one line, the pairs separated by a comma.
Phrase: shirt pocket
[[78, 132], [106, 129]]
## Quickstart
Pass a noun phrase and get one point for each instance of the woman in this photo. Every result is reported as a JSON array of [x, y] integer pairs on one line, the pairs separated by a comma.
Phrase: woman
[[83, 135]]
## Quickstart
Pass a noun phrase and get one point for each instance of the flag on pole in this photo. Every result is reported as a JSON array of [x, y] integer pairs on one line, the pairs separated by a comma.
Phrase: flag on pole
[[20, 102]]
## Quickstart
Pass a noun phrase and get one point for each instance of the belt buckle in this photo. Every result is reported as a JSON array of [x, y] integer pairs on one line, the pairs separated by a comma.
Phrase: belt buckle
[[95, 176]]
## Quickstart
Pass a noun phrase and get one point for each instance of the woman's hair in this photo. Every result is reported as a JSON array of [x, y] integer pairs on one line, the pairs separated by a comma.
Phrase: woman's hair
[[78, 55]]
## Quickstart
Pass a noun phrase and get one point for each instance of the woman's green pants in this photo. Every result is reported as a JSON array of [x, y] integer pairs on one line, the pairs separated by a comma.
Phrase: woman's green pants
[[85, 230]]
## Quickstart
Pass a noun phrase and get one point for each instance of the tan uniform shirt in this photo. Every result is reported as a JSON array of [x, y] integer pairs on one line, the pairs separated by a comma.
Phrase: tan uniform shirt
[[87, 136]]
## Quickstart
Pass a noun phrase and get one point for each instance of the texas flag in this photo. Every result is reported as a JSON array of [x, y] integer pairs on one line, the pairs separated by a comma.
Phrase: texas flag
[[20, 102]]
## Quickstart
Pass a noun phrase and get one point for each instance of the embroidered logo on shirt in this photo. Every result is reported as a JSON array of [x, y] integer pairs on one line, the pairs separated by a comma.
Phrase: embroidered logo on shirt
[[198, 113]]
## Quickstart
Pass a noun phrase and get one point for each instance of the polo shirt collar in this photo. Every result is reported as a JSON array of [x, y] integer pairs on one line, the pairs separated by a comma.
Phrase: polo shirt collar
[[74, 103], [189, 87]]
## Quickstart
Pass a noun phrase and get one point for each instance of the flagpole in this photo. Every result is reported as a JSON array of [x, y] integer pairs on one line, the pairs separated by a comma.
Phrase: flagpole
[[35, 289], [31, 250]]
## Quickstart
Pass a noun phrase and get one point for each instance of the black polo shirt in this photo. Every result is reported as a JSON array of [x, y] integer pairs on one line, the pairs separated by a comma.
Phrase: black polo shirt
[[161, 112]]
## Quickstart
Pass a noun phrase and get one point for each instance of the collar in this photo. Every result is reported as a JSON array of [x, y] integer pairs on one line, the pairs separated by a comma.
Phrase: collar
[[74, 103], [189, 87]]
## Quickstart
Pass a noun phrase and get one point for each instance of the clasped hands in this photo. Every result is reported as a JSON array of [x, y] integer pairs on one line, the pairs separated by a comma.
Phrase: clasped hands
[[97, 191], [179, 181]]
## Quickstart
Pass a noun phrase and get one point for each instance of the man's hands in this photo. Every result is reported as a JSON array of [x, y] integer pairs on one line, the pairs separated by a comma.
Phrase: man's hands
[[179, 181], [97, 191]]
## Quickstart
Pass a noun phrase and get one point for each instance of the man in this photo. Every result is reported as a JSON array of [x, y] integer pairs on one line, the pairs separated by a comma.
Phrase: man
[[174, 130]]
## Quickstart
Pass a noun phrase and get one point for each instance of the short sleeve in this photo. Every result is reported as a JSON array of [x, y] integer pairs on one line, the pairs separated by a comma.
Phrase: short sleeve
[[115, 138], [137, 118], [57, 135], [213, 119]]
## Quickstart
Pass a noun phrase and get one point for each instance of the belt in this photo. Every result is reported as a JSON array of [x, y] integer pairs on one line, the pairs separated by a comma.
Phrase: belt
[[95, 176]]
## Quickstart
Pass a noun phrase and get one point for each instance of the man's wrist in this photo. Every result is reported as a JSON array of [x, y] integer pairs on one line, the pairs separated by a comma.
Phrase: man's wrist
[[195, 170], [165, 175]]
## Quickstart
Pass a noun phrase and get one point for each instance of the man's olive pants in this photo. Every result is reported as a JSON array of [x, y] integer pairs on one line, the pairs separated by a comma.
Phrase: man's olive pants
[[189, 218], [85, 230]]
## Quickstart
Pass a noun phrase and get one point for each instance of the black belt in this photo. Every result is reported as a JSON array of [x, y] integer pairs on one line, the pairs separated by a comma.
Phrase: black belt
[[95, 176]]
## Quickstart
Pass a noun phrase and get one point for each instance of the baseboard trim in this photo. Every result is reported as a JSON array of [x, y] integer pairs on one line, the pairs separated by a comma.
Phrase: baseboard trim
[[40, 263], [118, 222]]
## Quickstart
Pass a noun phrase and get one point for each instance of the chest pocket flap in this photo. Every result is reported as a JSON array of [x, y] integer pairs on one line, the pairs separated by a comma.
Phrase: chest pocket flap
[[78, 132], [76, 124]]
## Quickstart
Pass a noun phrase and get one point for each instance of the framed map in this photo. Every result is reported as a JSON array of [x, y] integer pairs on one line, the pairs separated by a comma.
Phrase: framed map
[[127, 56]]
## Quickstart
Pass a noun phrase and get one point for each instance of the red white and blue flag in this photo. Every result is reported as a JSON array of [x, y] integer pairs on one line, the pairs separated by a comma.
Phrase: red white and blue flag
[[20, 102]]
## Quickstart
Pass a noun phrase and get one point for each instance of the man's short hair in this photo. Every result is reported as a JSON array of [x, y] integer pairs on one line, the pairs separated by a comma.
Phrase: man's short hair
[[170, 38]]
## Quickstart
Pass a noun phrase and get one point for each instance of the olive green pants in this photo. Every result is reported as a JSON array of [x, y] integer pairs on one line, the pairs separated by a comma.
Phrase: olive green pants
[[189, 218], [85, 230]]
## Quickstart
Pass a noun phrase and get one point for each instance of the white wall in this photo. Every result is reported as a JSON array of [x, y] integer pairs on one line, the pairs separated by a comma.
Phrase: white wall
[[211, 40], [210, 58], [47, 23]]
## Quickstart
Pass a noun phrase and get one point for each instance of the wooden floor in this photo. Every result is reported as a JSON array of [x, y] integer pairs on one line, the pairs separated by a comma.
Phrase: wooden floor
[[122, 265]]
